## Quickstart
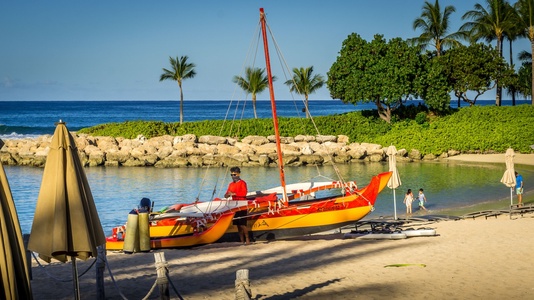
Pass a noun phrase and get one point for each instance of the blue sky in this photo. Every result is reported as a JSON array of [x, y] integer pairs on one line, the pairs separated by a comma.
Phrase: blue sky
[[115, 50]]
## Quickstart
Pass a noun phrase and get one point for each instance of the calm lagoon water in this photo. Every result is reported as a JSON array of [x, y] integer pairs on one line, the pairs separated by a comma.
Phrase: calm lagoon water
[[117, 190]]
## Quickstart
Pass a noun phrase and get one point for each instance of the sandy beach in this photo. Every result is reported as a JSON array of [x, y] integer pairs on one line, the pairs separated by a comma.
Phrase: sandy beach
[[520, 159], [482, 258], [469, 259]]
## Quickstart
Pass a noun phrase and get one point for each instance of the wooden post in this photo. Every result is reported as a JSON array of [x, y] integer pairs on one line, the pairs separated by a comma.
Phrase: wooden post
[[25, 240], [100, 267], [161, 271], [242, 285]]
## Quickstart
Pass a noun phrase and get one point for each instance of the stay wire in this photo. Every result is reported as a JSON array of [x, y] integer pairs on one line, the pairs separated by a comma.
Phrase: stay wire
[[286, 67]]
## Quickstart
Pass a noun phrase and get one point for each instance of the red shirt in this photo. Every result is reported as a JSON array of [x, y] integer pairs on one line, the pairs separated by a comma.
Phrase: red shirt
[[239, 188]]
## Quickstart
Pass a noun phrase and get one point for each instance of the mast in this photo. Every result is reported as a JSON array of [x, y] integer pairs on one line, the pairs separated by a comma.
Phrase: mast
[[273, 107]]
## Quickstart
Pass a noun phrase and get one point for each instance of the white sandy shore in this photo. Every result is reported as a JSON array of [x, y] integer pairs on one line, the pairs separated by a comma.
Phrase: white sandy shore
[[521, 159], [470, 259]]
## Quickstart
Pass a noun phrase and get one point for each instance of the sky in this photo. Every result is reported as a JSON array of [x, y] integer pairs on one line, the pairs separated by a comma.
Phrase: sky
[[115, 50]]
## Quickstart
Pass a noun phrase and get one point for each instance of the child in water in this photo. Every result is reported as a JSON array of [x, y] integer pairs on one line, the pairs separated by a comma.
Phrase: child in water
[[408, 199], [422, 199]]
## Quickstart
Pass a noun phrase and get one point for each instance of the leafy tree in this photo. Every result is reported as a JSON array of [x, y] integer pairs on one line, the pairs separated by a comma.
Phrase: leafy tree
[[490, 24], [304, 83], [434, 25], [180, 70], [254, 82], [378, 71], [524, 85], [433, 86], [474, 68], [525, 10]]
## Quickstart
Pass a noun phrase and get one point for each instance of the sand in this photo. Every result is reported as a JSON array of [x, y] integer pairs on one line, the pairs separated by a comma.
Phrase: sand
[[519, 158], [469, 259]]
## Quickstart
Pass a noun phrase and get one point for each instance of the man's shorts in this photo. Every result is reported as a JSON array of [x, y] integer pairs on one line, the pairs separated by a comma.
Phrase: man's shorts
[[519, 191]]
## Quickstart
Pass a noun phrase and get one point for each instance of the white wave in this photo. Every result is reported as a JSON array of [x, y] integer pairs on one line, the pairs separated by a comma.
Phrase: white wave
[[18, 136]]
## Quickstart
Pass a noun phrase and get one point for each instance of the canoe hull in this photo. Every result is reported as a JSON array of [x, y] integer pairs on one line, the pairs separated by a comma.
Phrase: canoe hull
[[213, 233], [299, 218], [314, 216]]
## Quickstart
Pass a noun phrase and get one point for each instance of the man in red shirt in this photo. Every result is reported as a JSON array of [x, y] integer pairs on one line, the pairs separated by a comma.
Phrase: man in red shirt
[[237, 189]]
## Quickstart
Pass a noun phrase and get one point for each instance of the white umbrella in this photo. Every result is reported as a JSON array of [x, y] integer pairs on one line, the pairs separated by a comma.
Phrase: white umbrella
[[509, 175], [394, 182]]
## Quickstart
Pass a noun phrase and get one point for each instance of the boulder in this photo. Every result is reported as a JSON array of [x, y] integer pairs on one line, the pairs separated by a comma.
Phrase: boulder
[[211, 140], [326, 138], [255, 140], [415, 154]]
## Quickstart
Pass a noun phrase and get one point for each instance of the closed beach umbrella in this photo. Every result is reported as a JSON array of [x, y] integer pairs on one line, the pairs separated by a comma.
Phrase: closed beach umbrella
[[394, 182], [508, 178], [66, 223], [13, 264]]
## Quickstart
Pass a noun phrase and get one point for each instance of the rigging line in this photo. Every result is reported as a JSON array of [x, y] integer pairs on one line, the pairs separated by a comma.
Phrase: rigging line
[[286, 67], [225, 120]]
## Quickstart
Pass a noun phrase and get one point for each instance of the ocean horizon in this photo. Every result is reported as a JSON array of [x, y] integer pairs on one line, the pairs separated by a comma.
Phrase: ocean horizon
[[20, 119]]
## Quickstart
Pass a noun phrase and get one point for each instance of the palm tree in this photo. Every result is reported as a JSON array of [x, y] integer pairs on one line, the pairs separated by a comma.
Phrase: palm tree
[[304, 83], [254, 82], [181, 70], [525, 10], [512, 34], [490, 25], [434, 25]]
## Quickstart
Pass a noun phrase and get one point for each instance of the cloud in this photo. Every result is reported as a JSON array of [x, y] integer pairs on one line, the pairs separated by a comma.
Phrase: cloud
[[7, 82]]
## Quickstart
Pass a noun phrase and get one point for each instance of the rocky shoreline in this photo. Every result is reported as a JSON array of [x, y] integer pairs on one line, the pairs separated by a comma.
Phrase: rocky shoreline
[[192, 151]]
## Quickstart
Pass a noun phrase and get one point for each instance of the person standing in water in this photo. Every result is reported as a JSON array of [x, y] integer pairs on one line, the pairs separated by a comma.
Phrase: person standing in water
[[519, 189], [422, 199], [408, 199], [237, 190]]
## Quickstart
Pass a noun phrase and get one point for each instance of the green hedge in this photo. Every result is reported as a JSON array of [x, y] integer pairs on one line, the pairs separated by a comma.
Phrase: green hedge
[[477, 129]]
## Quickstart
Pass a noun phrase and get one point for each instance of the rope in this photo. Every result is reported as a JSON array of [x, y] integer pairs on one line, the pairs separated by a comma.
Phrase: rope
[[151, 290], [57, 278], [243, 287], [158, 267], [113, 279], [173, 287]]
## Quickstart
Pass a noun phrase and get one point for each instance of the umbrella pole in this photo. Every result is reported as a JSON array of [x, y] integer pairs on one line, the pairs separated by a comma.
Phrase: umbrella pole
[[394, 205], [511, 203], [511, 197], [75, 279]]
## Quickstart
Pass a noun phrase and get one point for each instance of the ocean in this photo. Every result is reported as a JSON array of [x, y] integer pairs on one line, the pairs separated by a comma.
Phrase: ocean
[[116, 190], [23, 118], [33, 118]]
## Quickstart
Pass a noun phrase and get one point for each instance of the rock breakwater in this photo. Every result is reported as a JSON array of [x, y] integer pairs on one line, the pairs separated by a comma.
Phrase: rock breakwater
[[192, 151]]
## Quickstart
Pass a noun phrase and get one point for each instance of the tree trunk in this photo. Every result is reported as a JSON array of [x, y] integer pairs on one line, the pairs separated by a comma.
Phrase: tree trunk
[[512, 89], [532, 59], [383, 113], [254, 105], [181, 103], [498, 93], [307, 107]]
